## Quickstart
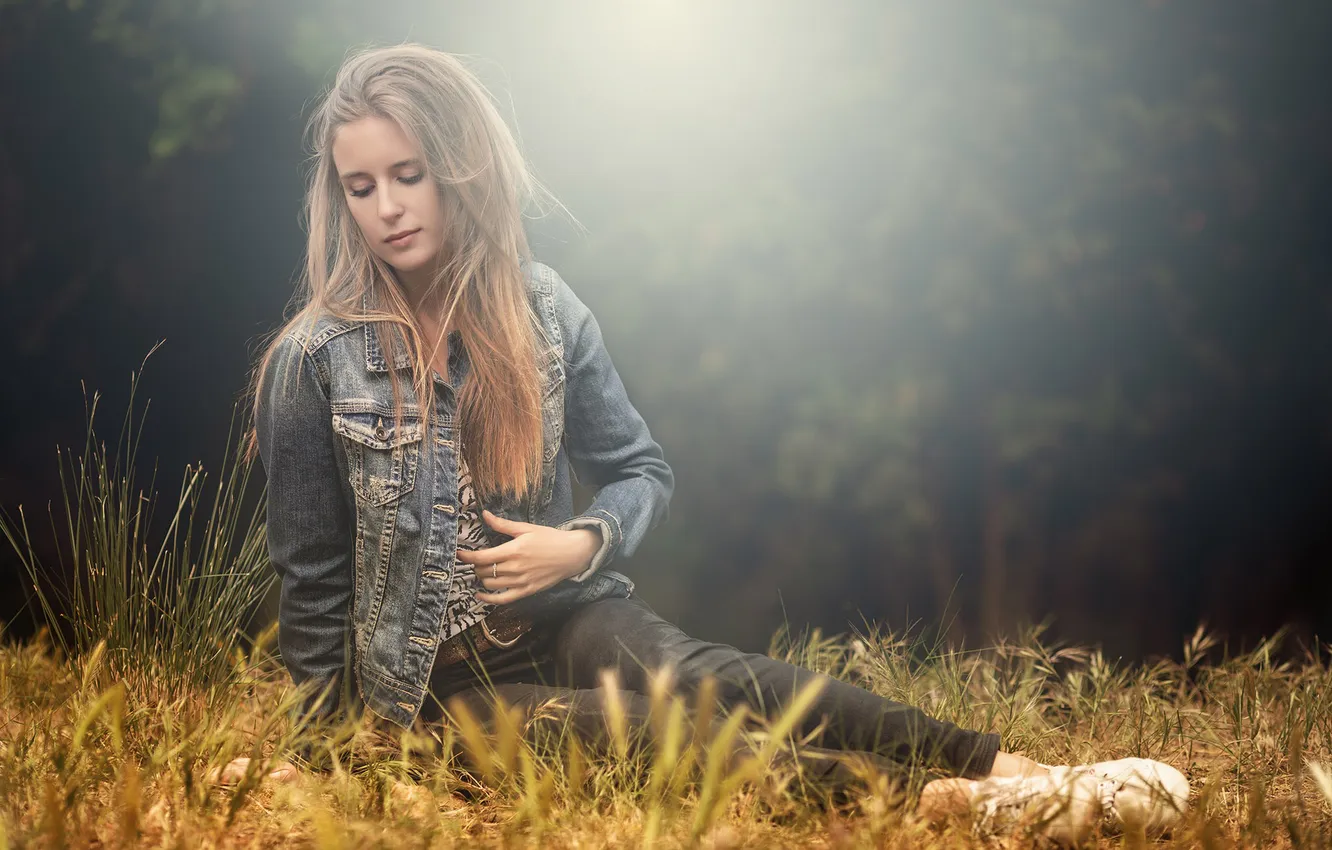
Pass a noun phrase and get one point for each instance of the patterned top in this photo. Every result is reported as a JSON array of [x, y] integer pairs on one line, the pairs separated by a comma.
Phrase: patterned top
[[463, 610]]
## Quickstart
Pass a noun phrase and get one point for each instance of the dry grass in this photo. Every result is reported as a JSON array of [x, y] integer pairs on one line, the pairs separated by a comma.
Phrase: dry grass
[[87, 759], [111, 721]]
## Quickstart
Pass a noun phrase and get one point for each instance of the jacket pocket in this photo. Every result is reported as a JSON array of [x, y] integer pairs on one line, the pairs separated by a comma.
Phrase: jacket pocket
[[381, 456]]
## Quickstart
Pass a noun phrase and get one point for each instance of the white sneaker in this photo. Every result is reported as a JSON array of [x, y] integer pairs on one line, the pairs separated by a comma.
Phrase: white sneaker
[[1063, 805], [1137, 793]]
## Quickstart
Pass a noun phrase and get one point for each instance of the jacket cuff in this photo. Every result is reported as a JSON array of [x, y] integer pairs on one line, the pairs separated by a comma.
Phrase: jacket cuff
[[604, 522]]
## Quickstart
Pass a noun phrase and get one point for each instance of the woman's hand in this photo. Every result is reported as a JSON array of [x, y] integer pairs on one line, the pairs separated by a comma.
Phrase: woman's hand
[[236, 769], [536, 558]]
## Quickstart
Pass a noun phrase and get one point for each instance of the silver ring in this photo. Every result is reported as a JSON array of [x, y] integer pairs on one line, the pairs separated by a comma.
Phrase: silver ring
[[494, 571]]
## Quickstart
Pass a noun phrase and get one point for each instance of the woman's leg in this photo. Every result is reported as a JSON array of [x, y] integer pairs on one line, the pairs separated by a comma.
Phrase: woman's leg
[[545, 714], [523, 677], [627, 636]]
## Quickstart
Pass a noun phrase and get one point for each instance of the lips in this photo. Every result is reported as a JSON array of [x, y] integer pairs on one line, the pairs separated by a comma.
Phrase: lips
[[402, 235]]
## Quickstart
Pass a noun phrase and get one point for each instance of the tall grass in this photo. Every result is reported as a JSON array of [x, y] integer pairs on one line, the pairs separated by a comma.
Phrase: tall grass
[[85, 761], [167, 604], [113, 720]]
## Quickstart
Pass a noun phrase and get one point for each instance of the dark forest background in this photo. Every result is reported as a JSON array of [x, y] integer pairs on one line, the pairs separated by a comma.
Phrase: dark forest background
[[962, 313]]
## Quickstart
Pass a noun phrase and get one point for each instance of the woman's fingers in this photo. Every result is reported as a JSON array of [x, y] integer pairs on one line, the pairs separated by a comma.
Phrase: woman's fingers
[[511, 527], [232, 774], [479, 557], [284, 772], [235, 770], [503, 581], [511, 589], [504, 596]]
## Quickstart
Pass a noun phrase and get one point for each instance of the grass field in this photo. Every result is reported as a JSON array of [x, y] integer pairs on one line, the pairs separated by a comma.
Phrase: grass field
[[143, 685], [89, 759]]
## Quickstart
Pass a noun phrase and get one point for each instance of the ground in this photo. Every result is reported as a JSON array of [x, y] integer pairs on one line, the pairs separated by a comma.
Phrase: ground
[[100, 751]]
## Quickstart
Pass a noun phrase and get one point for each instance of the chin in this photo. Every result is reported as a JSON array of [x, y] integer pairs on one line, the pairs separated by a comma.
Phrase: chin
[[404, 264], [408, 262], [418, 257]]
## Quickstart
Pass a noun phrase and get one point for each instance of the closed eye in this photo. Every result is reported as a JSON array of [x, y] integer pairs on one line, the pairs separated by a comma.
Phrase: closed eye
[[408, 179]]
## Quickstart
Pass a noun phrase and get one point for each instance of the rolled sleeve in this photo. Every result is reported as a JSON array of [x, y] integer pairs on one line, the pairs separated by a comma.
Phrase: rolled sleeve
[[608, 526]]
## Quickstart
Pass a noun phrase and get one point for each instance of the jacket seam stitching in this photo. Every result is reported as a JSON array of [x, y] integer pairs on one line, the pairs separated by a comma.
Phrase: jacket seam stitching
[[314, 342], [402, 688]]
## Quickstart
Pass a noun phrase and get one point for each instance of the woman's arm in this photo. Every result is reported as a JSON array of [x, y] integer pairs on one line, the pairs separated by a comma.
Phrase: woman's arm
[[608, 442], [309, 527]]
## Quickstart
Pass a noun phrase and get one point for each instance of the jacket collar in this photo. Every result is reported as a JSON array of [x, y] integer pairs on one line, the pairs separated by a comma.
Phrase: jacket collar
[[374, 352]]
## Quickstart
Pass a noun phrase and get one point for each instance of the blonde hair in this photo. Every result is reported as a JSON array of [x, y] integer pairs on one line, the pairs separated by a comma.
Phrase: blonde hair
[[484, 184]]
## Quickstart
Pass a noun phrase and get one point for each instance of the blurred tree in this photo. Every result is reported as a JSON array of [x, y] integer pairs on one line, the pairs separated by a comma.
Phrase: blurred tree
[[984, 353], [1021, 306]]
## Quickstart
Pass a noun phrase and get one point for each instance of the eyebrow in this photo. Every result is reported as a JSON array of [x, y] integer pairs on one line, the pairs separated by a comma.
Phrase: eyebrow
[[404, 163]]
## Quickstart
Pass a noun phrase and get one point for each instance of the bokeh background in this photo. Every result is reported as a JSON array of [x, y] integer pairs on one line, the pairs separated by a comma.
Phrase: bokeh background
[[961, 314]]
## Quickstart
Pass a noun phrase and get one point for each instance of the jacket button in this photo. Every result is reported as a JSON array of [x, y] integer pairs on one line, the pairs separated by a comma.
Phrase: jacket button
[[380, 432]]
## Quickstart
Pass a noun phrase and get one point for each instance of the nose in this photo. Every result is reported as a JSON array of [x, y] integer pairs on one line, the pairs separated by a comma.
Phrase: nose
[[389, 208]]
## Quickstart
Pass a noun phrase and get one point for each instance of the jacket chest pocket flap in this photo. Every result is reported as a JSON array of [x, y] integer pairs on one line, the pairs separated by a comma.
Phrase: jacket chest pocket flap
[[381, 456]]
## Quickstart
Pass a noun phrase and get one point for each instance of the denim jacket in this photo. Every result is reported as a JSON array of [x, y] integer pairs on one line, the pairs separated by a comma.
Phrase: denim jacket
[[362, 524]]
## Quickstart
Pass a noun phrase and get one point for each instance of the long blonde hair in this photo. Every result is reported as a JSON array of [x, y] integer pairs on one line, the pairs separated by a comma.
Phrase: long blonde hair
[[484, 183]]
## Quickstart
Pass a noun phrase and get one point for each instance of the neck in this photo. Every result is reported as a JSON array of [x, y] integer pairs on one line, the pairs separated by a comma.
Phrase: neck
[[416, 287]]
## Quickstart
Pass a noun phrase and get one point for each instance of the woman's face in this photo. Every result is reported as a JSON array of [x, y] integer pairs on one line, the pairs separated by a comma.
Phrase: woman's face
[[391, 197]]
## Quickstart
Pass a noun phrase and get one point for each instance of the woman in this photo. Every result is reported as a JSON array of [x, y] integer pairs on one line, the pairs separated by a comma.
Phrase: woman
[[419, 418]]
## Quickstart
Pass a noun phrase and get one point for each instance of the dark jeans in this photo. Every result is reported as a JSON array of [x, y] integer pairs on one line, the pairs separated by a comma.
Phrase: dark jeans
[[562, 663]]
